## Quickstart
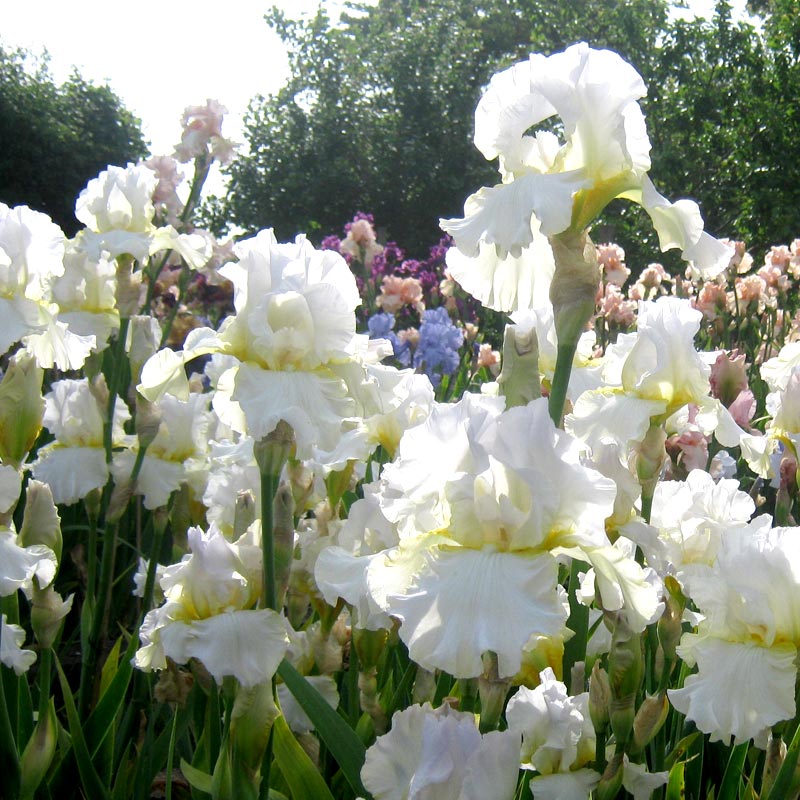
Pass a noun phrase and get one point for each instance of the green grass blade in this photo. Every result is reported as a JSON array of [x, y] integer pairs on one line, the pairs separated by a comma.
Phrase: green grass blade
[[303, 778], [731, 780], [338, 736], [92, 784]]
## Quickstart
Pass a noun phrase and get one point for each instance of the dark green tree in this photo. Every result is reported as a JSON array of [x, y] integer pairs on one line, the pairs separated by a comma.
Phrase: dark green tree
[[378, 111], [55, 138], [378, 115]]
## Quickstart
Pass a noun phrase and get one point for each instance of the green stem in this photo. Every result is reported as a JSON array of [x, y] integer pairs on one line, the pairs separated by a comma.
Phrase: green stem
[[114, 388], [152, 566], [269, 485], [575, 648], [9, 756], [558, 388], [89, 658], [91, 560], [171, 755], [45, 670], [647, 504]]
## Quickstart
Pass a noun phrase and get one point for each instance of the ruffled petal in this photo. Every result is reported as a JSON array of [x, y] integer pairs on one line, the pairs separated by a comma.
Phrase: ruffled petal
[[457, 604], [249, 645], [740, 689], [509, 283], [71, 472]]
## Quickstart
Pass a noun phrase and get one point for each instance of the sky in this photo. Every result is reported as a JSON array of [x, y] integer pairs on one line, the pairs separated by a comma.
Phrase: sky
[[161, 57]]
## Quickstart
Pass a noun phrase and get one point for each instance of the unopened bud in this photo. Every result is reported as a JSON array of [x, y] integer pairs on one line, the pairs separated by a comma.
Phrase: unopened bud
[[338, 482], [274, 449], [519, 376], [129, 287], [148, 421], [47, 614], [120, 498], [283, 539], [776, 753], [611, 782], [369, 646], [21, 409], [599, 698], [424, 689], [670, 624], [650, 717], [625, 673], [574, 286], [244, 513], [41, 523], [144, 337], [650, 457], [39, 751], [577, 678], [492, 690]]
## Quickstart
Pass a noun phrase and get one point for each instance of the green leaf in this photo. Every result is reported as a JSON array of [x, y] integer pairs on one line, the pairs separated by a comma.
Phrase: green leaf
[[731, 780], [784, 780], [679, 751], [92, 784], [676, 785], [299, 771], [338, 736], [39, 751], [105, 712], [125, 775], [197, 778], [9, 757]]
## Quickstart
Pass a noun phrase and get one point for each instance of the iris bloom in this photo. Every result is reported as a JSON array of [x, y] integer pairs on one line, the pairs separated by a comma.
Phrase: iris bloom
[[746, 647], [549, 186], [440, 753], [75, 462], [117, 209], [290, 352], [484, 502], [31, 259], [649, 375], [209, 612]]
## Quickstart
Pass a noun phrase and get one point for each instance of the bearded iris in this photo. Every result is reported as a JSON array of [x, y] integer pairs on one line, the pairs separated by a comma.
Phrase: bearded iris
[[551, 187]]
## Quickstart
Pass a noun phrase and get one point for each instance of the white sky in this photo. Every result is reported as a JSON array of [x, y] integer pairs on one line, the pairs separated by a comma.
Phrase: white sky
[[161, 57]]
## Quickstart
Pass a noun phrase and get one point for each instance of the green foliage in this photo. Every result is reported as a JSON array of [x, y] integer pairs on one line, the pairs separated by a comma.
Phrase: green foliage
[[378, 115], [54, 139], [378, 111], [723, 122]]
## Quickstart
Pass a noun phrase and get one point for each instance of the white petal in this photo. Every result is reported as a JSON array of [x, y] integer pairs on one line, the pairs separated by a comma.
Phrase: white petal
[[509, 283], [314, 404], [457, 604], [740, 689], [296, 718], [10, 485], [610, 416], [577, 785], [11, 653], [71, 472], [339, 574], [249, 645], [501, 214], [20, 565]]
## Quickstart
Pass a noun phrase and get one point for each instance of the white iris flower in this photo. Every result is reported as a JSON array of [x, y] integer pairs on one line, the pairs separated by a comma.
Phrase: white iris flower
[[549, 186]]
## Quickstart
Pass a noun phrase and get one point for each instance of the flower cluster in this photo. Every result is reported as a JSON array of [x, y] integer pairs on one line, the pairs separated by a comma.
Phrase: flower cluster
[[346, 519]]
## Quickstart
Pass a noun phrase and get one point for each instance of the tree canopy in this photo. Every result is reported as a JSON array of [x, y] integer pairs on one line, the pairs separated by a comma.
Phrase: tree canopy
[[55, 138], [378, 114]]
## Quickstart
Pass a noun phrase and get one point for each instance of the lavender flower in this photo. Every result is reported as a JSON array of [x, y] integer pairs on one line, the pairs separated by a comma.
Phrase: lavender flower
[[381, 326], [439, 343]]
